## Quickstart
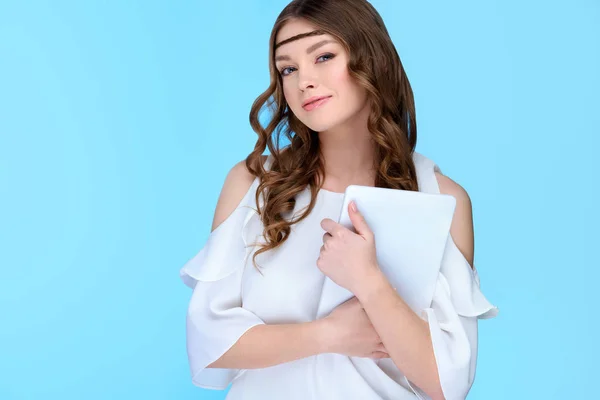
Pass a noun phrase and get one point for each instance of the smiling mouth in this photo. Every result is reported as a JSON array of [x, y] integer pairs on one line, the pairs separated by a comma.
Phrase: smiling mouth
[[312, 102], [315, 104]]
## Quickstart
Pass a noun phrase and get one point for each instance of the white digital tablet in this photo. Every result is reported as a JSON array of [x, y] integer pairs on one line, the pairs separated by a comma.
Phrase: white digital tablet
[[411, 230]]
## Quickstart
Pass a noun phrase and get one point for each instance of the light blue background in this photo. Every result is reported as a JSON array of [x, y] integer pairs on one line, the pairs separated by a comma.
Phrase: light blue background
[[120, 120]]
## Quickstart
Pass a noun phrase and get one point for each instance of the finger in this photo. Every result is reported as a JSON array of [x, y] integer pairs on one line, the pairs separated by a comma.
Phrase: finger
[[358, 221], [381, 347], [326, 237], [331, 226]]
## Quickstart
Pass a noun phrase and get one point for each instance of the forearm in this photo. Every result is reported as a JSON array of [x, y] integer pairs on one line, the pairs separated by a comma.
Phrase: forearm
[[403, 333], [272, 344]]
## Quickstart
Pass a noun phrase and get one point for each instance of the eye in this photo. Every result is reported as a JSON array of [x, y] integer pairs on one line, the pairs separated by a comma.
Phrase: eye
[[282, 71], [329, 55]]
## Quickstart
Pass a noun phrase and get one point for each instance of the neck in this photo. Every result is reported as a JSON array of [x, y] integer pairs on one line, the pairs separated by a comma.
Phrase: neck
[[348, 151]]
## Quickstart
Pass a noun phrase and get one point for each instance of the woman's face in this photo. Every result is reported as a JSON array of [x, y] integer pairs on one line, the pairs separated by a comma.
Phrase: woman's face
[[316, 66]]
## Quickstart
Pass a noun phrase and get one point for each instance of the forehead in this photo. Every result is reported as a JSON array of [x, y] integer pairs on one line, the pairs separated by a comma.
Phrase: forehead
[[298, 34]]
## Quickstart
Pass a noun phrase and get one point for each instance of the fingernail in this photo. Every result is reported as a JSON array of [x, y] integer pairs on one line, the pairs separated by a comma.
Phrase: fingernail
[[353, 206]]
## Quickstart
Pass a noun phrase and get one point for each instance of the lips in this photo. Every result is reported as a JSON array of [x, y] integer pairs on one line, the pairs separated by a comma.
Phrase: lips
[[315, 102]]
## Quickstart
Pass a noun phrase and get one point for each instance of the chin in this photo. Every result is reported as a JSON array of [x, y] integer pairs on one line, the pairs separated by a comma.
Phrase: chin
[[321, 124]]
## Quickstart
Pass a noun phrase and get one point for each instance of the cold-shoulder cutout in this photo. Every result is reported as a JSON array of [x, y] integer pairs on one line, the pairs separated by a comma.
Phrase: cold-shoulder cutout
[[461, 277], [229, 244], [463, 215], [237, 183]]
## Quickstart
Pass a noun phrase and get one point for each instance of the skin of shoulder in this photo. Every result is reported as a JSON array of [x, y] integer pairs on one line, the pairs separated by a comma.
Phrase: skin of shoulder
[[237, 183], [461, 228]]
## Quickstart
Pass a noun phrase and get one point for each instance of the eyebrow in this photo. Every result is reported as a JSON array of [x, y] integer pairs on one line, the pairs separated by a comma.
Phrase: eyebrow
[[309, 50]]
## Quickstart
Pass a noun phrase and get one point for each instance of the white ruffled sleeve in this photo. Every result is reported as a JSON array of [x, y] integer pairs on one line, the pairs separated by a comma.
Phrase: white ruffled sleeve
[[457, 305], [216, 318]]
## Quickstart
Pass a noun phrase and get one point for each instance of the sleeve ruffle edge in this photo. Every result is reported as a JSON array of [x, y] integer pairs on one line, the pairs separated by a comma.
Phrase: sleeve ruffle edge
[[463, 284], [227, 246]]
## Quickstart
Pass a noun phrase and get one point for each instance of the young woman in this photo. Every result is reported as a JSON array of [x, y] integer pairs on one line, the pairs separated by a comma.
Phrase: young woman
[[339, 92]]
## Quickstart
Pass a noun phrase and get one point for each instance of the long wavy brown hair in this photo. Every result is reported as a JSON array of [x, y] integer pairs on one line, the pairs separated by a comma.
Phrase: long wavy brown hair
[[374, 63]]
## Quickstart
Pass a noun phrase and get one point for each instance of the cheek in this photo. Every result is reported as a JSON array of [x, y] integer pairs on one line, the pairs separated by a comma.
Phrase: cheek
[[340, 79], [286, 92], [291, 96], [350, 93]]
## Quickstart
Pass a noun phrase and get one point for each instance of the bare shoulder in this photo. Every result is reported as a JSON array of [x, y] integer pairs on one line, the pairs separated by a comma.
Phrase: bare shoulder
[[449, 186], [461, 228], [237, 183]]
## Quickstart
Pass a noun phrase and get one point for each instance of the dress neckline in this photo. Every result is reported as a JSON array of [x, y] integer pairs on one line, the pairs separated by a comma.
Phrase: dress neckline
[[325, 192], [329, 192]]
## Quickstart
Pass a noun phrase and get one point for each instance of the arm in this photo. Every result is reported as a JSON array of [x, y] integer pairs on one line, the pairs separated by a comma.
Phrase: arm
[[237, 183], [267, 345], [403, 333], [263, 345], [406, 336]]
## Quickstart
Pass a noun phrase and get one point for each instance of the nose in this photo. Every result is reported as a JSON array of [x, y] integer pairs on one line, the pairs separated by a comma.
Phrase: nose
[[307, 80], [306, 84]]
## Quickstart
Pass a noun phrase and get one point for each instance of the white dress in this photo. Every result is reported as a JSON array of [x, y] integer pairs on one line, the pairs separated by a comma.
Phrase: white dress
[[230, 296]]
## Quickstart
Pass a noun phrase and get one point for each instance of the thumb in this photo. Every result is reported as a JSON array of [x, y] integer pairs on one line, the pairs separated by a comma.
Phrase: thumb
[[358, 221]]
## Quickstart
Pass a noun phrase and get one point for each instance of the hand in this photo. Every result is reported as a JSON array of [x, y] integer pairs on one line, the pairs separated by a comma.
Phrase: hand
[[348, 258], [351, 333]]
